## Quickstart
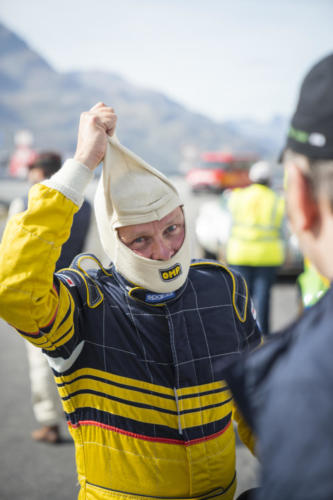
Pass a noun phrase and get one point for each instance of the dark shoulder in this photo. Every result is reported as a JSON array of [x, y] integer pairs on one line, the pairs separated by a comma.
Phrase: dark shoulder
[[301, 350], [83, 279], [212, 270], [218, 280], [312, 339]]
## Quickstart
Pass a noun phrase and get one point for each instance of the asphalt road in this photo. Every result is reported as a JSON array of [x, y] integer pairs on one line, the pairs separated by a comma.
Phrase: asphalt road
[[35, 471]]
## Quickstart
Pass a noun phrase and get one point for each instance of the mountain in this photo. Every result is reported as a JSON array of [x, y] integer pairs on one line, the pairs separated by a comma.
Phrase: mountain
[[36, 97], [269, 135]]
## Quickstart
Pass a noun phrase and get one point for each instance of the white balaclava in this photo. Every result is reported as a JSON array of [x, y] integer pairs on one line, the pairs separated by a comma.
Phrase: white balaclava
[[132, 192]]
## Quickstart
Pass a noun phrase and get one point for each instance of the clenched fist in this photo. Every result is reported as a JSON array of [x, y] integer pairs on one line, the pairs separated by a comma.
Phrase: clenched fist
[[94, 127]]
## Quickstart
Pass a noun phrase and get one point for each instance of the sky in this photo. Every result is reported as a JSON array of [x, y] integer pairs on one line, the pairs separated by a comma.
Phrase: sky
[[227, 59]]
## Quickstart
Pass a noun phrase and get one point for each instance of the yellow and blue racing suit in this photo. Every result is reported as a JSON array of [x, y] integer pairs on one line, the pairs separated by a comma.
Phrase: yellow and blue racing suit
[[140, 375]]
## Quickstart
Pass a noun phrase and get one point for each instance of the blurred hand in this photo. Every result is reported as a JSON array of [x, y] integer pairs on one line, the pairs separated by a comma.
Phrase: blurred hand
[[94, 127]]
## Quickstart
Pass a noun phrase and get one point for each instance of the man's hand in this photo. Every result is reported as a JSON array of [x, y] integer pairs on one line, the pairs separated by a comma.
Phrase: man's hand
[[94, 127]]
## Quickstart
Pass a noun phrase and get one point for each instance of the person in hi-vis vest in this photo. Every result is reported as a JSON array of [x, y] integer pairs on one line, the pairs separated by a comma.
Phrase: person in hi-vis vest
[[255, 247]]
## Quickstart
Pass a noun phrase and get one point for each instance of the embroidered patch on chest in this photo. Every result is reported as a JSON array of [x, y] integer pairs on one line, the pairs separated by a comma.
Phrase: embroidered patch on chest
[[159, 297]]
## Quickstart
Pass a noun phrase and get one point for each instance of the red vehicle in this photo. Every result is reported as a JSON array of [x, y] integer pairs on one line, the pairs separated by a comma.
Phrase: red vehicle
[[218, 171]]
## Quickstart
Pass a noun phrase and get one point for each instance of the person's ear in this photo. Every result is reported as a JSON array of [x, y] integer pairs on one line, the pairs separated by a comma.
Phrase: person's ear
[[303, 204]]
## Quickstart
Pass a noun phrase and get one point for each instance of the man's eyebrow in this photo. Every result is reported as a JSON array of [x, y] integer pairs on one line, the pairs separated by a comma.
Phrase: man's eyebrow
[[133, 236], [176, 218], [137, 233]]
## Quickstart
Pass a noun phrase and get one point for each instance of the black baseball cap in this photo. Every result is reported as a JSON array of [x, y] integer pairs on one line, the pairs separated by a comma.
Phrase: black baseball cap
[[311, 127]]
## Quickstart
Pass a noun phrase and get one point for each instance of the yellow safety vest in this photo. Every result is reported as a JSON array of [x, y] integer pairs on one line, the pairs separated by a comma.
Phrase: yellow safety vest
[[257, 214], [312, 284]]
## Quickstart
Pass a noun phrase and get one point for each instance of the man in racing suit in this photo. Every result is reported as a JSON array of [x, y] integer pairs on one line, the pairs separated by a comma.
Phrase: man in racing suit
[[138, 349]]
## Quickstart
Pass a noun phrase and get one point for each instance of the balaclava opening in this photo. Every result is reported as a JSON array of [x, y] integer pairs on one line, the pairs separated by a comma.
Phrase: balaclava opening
[[130, 191]]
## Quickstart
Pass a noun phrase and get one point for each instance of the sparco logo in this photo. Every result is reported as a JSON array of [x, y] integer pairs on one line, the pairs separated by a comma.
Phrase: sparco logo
[[171, 273]]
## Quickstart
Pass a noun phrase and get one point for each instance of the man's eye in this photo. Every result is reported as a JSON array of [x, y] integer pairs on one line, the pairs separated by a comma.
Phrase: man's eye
[[139, 240], [171, 228]]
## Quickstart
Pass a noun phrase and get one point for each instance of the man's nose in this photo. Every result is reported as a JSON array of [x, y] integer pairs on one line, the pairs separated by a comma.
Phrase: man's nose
[[161, 250]]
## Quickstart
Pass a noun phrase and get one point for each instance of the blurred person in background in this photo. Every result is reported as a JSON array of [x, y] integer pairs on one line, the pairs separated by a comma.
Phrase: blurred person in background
[[45, 398], [23, 155], [255, 246], [311, 285], [137, 349], [285, 388]]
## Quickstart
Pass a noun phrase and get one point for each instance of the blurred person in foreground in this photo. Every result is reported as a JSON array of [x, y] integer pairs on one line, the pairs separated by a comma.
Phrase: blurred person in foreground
[[45, 398], [137, 349], [285, 388], [255, 247]]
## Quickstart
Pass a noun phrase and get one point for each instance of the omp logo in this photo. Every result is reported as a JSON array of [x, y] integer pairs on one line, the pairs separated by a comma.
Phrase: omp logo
[[171, 273]]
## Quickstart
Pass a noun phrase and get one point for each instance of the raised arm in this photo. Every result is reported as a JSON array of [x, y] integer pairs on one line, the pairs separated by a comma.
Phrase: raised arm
[[32, 240]]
